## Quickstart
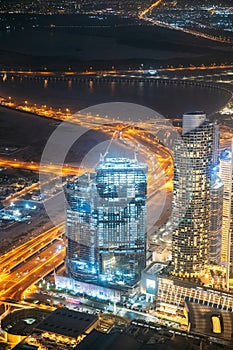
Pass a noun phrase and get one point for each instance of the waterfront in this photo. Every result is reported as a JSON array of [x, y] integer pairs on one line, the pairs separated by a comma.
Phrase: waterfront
[[76, 95]]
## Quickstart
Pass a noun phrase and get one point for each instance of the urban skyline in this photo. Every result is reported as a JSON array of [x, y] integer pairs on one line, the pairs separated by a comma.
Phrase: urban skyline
[[116, 174]]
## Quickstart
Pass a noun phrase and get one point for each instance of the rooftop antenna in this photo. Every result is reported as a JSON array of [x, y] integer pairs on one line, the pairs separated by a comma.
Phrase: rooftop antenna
[[101, 157]]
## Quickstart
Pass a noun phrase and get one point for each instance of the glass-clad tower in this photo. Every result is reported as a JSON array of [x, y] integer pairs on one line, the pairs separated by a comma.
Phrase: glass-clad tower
[[193, 159], [81, 227], [106, 223], [121, 185]]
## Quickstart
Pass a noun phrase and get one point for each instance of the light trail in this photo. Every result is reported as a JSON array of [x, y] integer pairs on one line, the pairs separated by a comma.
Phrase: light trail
[[104, 73], [32, 270], [14, 257], [57, 169], [163, 162], [150, 8]]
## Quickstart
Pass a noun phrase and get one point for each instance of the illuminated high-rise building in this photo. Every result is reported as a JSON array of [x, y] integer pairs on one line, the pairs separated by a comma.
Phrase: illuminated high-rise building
[[230, 250], [106, 223], [226, 174], [216, 213], [193, 161], [216, 205], [81, 227], [216, 144]]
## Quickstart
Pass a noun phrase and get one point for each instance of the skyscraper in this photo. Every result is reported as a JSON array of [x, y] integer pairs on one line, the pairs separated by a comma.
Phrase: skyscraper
[[193, 160], [106, 223], [226, 174], [81, 227], [216, 213]]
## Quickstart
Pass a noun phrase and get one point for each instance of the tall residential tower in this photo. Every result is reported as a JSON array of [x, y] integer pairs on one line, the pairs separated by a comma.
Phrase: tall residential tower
[[193, 160], [226, 174]]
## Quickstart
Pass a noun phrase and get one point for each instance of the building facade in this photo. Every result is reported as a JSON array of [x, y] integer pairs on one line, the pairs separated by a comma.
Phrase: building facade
[[106, 223], [81, 227], [226, 174], [216, 213], [193, 161]]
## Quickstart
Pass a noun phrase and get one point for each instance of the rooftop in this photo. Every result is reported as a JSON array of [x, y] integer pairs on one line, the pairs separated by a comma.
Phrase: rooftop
[[195, 113], [155, 267], [114, 341], [200, 318], [120, 163], [67, 322]]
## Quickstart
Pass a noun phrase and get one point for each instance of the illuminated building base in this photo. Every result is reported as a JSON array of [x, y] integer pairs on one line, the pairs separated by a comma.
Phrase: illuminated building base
[[171, 293], [90, 289]]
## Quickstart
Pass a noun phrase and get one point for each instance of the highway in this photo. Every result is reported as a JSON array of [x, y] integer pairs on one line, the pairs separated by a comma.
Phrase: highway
[[23, 252], [129, 134], [143, 14], [33, 166], [126, 131], [32, 270], [159, 158], [92, 73]]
